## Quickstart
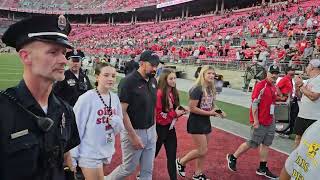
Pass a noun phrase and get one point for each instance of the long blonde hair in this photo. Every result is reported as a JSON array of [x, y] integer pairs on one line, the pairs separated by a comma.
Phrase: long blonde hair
[[206, 88]]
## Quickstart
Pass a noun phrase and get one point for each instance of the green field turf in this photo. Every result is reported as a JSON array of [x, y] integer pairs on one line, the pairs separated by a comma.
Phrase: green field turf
[[11, 73], [10, 70]]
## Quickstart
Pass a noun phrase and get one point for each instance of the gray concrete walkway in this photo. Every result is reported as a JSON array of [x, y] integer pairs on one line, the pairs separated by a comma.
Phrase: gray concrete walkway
[[228, 95], [240, 98]]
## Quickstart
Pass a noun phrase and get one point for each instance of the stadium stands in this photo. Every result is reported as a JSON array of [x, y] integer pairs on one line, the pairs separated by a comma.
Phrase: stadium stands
[[216, 35], [126, 39], [111, 5]]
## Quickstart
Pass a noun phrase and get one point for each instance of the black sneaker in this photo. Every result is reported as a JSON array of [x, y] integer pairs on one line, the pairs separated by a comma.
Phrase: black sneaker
[[232, 163], [266, 172], [180, 168], [200, 177]]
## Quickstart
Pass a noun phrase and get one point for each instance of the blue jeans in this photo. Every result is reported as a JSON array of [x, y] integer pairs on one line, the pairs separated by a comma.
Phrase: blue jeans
[[131, 157]]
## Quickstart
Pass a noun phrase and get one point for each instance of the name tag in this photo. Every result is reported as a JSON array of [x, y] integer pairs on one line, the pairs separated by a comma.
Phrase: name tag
[[272, 109], [109, 138], [19, 134], [71, 82]]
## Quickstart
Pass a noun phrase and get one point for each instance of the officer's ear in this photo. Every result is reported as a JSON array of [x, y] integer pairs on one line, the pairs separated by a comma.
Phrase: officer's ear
[[25, 56]]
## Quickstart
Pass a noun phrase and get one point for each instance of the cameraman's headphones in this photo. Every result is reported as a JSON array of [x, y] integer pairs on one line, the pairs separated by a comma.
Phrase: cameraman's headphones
[[44, 123]]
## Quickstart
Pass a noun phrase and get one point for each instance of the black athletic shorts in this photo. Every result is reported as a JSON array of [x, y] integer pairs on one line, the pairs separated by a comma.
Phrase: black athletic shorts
[[301, 125]]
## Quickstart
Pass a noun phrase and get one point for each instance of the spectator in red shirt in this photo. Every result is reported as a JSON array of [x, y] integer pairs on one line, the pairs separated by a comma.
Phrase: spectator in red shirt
[[285, 84], [263, 126], [202, 49], [285, 87], [281, 54], [226, 48], [317, 41], [261, 42], [244, 44], [168, 110], [302, 45]]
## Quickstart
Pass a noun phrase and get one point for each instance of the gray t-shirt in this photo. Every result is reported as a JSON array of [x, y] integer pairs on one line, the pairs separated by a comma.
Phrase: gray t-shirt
[[304, 162]]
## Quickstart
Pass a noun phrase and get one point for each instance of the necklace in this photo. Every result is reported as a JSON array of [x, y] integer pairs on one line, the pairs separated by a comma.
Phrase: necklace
[[105, 105]]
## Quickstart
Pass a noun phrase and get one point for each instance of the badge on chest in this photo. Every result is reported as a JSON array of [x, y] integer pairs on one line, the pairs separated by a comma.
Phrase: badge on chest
[[71, 82]]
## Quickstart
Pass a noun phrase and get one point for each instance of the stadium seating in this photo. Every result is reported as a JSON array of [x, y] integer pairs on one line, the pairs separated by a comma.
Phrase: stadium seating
[[126, 38], [110, 5]]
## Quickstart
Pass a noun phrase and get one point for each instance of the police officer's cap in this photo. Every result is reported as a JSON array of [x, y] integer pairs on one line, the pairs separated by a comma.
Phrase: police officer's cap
[[47, 28], [274, 69], [78, 54]]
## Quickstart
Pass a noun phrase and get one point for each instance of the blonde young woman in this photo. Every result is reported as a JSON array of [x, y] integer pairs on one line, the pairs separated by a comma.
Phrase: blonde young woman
[[201, 103], [99, 118]]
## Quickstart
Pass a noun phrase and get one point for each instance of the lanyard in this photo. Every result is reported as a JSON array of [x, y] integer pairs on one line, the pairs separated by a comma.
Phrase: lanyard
[[105, 105]]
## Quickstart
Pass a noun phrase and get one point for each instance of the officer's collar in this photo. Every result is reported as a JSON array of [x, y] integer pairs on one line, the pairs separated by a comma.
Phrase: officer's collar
[[27, 100], [24, 95]]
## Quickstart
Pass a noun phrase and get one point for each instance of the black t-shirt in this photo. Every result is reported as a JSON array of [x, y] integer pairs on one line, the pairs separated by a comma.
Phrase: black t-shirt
[[72, 87], [205, 102], [22, 143], [141, 95]]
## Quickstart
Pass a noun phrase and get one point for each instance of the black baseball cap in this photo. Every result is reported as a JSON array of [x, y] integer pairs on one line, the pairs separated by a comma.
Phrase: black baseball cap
[[77, 54], [290, 68], [47, 28], [273, 69], [151, 57]]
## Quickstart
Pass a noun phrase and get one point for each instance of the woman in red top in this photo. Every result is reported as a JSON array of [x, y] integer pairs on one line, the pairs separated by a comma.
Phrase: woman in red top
[[168, 110]]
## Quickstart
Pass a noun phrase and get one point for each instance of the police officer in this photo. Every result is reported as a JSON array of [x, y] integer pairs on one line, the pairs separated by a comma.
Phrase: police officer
[[76, 82], [37, 129], [131, 65]]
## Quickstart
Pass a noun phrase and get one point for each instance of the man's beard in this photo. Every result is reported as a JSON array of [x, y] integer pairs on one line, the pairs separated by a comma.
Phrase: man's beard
[[151, 74]]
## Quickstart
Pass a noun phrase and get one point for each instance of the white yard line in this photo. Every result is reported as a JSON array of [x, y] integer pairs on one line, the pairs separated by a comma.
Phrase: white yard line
[[1, 73], [7, 80]]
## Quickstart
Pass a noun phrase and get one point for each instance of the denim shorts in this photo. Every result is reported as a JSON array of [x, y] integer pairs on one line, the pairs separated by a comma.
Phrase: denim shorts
[[92, 163]]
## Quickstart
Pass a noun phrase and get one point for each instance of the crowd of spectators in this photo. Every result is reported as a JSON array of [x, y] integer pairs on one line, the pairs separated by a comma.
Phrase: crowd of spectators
[[206, 37]]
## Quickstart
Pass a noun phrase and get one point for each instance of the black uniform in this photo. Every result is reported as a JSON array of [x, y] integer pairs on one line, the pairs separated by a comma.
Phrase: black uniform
[[130, 67], [72, 87], [26, 152]]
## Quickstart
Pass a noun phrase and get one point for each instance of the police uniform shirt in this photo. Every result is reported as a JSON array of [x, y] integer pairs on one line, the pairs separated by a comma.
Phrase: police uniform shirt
[[72, 87], [141, 95], [23, 144], [131, 66]]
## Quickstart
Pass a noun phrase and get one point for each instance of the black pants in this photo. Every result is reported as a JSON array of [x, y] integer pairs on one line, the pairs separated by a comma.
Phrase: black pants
[[294, 111], [169, 139]]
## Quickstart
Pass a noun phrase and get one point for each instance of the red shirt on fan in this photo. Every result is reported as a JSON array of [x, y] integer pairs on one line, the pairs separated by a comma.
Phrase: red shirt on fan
[[164, 118], [267, 99], [317, 41], [285, 85]]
